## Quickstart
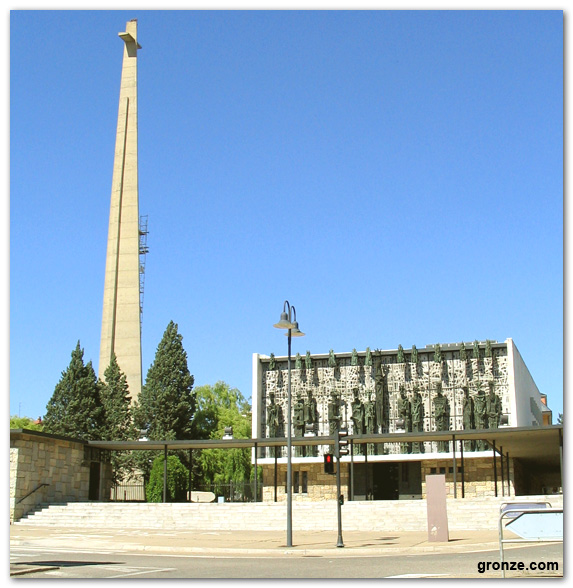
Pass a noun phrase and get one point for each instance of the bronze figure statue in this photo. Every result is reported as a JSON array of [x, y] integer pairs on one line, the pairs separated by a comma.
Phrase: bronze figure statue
[[334, 417], [441, 416], [493, 408]]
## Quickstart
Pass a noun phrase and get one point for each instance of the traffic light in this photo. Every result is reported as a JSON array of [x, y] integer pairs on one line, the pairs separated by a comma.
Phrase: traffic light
[[328, 463], [342, 442]]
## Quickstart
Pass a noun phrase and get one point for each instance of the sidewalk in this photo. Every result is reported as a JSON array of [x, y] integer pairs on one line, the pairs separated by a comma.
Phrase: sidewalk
[[249, 543], [261, 544]]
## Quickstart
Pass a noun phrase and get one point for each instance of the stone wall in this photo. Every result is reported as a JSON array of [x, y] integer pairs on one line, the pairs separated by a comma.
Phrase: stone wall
[[46, 469], [311, 484], [310, 477], [479, 478]]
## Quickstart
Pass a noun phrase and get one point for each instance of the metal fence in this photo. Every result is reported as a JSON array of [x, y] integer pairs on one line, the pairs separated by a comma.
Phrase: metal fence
[[232, 492], [128, 493]]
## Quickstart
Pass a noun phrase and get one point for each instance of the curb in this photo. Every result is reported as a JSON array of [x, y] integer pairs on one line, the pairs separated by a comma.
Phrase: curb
[[280, 551]]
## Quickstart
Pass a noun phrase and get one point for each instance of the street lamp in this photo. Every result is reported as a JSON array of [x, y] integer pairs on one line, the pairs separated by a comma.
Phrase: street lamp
[[288, 321]]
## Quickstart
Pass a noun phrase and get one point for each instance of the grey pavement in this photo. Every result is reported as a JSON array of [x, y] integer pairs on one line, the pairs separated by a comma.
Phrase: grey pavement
[[245, 543], [262, 543]]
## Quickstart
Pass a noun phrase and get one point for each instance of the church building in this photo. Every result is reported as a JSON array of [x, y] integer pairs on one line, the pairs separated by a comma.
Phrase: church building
[[421, 397]]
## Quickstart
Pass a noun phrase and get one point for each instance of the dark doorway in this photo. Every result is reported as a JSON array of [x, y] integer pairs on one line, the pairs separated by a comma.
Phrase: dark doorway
[[388, 481], [385, 481], [93, 493], [410, 480]]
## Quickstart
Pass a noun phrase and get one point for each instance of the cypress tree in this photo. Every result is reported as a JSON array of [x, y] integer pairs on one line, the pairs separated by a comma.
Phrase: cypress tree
[[116, 402], [75, 409], [119, 426], [167, 402]]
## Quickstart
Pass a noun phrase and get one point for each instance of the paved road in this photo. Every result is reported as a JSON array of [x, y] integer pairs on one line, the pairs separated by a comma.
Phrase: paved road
[[65, 563]]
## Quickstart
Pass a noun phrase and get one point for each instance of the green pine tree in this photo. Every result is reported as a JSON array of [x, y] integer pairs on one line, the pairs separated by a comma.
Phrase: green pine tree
[[75, 409], [166, 404], [117, 404], [118, 426]]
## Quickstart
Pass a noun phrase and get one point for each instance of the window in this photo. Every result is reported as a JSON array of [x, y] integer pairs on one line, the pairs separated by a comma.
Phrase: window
[[299, 482], [304, 488]]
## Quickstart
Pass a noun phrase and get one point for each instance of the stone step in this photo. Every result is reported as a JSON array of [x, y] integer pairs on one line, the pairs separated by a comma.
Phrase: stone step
[[403, 515]]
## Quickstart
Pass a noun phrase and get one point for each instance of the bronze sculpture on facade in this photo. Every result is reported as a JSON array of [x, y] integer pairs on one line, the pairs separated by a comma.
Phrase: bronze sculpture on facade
[[405, 416], [468, 417], [368, 358], [493, 408], [334, 417], [370, 416], [417, 418], [298, 421], [370, 422], [357, 412], [332, 359], [463, 352], [298, 362], [488, 348], [480, 415], [274, 420], [414, 355], [441, 416], [357, 415], [379, 390], [354, 358], [310, 417]]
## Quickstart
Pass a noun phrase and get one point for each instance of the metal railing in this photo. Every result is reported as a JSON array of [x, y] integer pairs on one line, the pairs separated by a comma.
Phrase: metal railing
[[514, 510], [31, 492]]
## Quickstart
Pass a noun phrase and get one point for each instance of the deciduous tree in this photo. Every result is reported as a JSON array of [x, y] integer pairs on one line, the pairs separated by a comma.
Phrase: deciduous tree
[[221, 406]]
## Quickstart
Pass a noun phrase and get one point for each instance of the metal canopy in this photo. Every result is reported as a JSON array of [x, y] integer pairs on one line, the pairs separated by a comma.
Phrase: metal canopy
[[537, 444]]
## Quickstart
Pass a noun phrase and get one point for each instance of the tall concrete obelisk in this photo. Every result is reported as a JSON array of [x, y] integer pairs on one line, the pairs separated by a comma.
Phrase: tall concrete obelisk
[[121, 320]]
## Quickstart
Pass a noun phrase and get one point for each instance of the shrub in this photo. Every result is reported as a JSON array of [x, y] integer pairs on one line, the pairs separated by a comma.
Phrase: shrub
[[177, 481]]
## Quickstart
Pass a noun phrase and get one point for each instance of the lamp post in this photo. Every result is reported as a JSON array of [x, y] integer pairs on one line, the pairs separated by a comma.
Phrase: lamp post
[[288, 321]]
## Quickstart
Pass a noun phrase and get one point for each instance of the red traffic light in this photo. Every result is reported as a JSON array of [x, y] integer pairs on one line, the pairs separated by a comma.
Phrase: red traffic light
[[328, 463]]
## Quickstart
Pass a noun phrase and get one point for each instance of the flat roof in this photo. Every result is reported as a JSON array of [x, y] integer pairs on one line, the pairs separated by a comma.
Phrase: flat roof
[[537, 445]]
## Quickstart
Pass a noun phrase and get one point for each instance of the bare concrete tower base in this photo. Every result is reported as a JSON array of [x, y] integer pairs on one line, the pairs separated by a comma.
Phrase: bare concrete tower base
[[121, 320]]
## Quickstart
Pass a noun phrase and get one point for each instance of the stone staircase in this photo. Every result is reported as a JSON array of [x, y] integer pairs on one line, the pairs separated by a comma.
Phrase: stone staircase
[[383, 516]]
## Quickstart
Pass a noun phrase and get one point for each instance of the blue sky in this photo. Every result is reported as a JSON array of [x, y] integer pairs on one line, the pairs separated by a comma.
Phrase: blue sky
[[397, 176]]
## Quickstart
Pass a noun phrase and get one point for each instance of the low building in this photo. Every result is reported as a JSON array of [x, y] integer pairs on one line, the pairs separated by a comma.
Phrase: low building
[[48, 469], [420, 398]]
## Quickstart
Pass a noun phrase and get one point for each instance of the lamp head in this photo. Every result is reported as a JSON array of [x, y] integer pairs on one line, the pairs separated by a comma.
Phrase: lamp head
[[284, 323], [295, 332]]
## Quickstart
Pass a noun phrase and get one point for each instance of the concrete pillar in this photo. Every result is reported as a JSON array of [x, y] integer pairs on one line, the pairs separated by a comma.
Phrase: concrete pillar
[[121, 321]]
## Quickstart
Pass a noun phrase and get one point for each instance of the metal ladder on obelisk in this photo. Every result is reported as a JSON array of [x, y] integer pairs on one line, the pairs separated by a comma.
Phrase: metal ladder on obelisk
[[143, 250]]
